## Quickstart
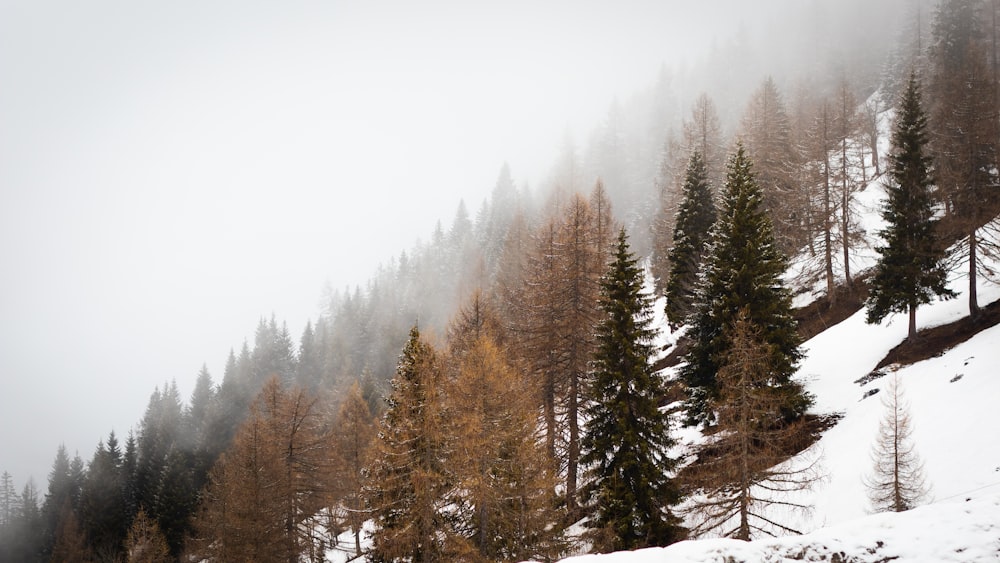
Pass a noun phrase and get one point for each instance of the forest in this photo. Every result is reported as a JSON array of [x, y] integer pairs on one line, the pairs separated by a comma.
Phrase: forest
[[495, 393]]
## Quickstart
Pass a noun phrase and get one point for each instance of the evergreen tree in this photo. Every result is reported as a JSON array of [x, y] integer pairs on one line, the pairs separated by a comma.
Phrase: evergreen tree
[[626, 437], [691, 233], [102, 512], [62, 492], [198, 413], [27, 533], [742, 271], [909, 271]]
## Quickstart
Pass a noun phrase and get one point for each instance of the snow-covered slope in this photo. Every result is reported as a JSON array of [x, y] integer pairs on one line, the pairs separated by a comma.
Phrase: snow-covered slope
[[958, 531], [956, 431], [953, 406]]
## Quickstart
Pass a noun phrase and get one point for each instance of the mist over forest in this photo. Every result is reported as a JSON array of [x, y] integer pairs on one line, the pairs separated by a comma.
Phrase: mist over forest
[[495, 314]]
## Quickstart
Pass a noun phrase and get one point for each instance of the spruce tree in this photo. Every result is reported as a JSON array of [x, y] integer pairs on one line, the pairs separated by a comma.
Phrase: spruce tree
[[626, 437], [909, 271], [691, 231], [742, 272]]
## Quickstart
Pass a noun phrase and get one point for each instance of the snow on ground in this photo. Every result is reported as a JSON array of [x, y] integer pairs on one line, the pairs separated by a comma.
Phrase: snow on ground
[[959, 531], [955, 429], [952, 402]]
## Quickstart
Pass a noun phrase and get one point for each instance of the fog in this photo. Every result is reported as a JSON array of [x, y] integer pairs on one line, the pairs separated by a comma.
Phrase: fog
[[171, 172]]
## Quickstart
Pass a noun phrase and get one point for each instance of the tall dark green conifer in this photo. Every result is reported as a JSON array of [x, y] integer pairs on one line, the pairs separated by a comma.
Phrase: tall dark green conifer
[[909, 271], [626, 437], [691, 233], [742, 272]]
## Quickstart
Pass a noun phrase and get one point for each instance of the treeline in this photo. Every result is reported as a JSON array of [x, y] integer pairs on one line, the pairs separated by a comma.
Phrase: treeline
[[535, 406]]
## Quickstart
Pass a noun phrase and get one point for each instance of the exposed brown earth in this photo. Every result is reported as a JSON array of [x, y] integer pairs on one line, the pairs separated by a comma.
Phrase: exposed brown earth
[[935, 341]]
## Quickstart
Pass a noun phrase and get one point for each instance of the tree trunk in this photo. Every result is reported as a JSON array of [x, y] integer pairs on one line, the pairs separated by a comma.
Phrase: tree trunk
[[911, 334], [573, 456], [550, 421], [973, 298], [845, 199], [827, 227]]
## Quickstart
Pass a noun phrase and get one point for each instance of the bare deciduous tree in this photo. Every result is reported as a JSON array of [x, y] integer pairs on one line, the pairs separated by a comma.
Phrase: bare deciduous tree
[[897, 480], [745, 474]]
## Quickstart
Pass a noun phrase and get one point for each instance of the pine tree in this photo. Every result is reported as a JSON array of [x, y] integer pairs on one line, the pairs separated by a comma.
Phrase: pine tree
[[626, 437], [897, 480], [909, 271], [743, 271], [691, 233]]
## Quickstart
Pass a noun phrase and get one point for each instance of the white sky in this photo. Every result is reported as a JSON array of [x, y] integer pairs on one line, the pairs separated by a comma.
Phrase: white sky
[[172, 171]]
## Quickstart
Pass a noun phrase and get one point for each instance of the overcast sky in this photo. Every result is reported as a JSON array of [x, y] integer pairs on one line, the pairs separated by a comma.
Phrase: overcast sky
[[172, 171]]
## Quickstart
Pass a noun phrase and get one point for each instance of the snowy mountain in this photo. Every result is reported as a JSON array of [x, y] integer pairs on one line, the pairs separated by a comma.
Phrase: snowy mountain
[[951, 398]]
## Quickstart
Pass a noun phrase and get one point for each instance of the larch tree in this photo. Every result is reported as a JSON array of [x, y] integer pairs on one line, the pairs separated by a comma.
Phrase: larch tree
[[846, 124], [703, 133], [910, 270], [70, 543], [560, 303], [742, 271], [964, 135], [503, 493], [897, 481], [8, 500], [145, 542], [667, 188], [353, 436], [626, 438], [741, 475], [692, 228], [820, 144], [409, 476], [581, 267], [767, 135], [539, 341], [269, 483]]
